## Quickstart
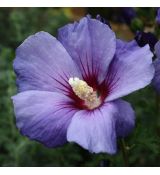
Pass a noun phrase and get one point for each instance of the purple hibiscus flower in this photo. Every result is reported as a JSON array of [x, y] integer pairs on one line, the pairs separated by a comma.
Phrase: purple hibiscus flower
[[156, 80], [158, 16], [70, 89], [128, 14], [144, 38]]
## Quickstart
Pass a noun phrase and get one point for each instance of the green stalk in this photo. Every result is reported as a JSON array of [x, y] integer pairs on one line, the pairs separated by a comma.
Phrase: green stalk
[[124, 152], [157, 103]]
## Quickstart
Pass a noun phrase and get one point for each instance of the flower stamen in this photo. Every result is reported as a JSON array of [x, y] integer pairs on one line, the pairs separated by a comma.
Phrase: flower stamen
[[85, 93]]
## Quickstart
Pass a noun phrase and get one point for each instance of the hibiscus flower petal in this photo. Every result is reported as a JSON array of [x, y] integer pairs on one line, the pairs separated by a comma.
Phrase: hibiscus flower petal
[[91, 44], [94, 130], [156, 80], [129, 72], [157, 49], [43, 116], [42, 63], [125, 47], [125, 118]]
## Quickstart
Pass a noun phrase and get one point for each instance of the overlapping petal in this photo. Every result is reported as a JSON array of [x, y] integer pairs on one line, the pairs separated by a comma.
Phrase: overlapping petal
[[123, 47], [43, 116], [129, 72], [97, 130], [42, 63], [94, 130], [125, 118], [91, 45]]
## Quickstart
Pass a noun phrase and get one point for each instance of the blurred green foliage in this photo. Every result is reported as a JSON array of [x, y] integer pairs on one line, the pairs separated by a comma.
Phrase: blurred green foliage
[[143, 145]]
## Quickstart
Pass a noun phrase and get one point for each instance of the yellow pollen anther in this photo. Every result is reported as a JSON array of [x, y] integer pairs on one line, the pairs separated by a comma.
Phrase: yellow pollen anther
[[85, 92]]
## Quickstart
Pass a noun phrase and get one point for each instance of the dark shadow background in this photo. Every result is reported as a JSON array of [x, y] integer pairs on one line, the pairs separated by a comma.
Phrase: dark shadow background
[[143, 145]]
